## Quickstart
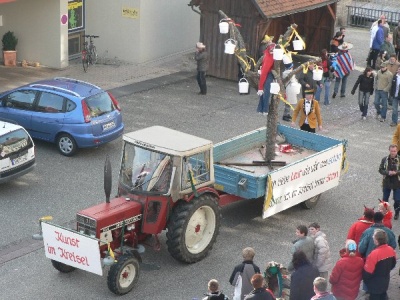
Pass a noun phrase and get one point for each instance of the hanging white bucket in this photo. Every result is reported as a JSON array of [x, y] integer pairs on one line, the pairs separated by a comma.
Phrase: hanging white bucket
[[243, 86], [287, 59], [317, 74], [230, 46], [223, 26], [296, 87], [278, 54], [297, 45], [275, 88]]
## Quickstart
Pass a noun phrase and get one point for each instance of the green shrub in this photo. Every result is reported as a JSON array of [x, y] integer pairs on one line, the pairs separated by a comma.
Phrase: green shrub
[[9, 41]]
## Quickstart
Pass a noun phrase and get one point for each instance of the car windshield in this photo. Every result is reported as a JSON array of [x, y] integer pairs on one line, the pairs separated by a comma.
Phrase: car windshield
[[144, 170], [14, 142], [99, 104]]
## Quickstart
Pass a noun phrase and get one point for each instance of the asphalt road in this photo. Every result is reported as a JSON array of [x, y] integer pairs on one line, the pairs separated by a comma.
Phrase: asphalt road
[[61, 186]]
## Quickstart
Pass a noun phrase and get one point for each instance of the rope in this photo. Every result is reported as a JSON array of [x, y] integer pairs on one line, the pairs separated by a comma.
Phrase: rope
[[280, 97], [269, 193]]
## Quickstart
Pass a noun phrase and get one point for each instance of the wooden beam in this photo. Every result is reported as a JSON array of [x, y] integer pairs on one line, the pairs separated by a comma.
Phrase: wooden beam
[[331, 12]]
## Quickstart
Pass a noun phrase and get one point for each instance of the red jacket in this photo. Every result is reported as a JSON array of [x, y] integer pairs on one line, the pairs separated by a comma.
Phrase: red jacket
[[266, 67], [346, 277], [357, 229], [387, 219]]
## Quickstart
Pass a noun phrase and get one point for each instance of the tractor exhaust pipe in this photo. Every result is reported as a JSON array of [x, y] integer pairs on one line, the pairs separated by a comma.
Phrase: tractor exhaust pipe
[[107, 179]]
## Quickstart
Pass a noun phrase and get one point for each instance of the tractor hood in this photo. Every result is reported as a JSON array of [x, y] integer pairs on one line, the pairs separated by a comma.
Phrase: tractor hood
[[108, 216]]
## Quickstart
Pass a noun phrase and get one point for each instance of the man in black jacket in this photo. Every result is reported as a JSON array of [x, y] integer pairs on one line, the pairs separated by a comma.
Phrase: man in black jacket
[[379, 263], [390, 169]]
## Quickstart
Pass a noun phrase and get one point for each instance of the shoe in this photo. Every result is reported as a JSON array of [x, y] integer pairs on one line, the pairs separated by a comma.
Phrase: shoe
[[334, 95], [393, 124], [265, 114], [382, 120], [396, 215], [364, 118], [287, 118], [342, 96]]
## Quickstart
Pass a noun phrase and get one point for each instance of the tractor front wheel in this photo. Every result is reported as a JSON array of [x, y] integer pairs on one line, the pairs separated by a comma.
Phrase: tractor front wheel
[[193, 228], [63, 268], [123, 275], [310, 203]]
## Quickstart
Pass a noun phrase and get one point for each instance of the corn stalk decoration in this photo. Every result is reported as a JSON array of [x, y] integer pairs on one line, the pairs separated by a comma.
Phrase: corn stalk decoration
[[253, 77]]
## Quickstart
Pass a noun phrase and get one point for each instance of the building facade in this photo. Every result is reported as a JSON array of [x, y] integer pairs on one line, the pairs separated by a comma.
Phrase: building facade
[[134, 31]]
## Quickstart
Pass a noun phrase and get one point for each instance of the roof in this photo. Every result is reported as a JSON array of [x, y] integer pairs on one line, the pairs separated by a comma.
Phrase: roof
[[278, 8], [6, 127], [167, 140]]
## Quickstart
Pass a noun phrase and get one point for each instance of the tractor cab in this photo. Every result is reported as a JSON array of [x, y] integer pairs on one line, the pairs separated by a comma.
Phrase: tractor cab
[[163, 161]]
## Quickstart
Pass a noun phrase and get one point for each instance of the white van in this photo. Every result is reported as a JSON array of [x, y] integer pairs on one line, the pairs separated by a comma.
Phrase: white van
[[17, 151]]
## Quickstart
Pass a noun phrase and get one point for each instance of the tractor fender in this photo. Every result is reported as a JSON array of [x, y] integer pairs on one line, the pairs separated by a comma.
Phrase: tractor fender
[[200, 191]]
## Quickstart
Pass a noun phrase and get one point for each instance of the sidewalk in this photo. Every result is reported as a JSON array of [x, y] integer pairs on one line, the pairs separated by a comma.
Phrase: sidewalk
[[107, 76], [125, 79]]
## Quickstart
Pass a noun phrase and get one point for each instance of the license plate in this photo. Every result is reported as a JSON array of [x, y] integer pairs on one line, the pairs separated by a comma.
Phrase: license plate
[[108, 125], [19, 160]]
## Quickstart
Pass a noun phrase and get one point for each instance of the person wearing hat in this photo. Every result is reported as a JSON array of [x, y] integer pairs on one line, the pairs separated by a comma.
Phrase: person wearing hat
[[292, 90], [346, 275], [344, 65], [307, 80], [383, 83], [201, 57], [396, 40], [309, 113], [264, 44], [266, 78]]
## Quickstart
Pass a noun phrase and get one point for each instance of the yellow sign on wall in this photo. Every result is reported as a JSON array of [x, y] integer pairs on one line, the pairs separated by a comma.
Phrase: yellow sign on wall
[[129, 12]]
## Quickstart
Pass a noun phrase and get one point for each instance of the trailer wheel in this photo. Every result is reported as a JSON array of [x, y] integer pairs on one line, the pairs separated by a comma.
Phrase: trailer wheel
[[193, 228], [310, 203], [123, 275], [63, 268]]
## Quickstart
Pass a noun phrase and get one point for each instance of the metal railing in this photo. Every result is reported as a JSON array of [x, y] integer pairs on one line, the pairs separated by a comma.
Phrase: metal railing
[[363, 13]]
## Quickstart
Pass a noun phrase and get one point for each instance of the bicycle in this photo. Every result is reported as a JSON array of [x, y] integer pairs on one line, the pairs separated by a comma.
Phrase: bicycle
[[89, 54]]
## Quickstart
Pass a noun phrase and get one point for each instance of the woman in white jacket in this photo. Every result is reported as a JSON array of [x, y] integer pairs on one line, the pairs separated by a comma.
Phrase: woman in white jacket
[[322, 254]]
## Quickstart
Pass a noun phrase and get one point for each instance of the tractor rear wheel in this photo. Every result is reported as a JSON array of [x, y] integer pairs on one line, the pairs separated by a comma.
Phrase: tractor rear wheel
[[193, 228], [63, 268], [123, 275], [310, 203]]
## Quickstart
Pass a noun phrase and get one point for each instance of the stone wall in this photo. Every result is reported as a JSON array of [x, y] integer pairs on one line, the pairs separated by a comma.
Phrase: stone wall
[[341, 12]]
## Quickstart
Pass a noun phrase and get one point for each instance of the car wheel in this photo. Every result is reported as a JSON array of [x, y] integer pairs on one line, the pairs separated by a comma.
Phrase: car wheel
[[66, 144]]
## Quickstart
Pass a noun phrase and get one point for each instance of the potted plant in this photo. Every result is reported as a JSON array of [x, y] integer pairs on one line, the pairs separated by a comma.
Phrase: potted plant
[[10, 42]]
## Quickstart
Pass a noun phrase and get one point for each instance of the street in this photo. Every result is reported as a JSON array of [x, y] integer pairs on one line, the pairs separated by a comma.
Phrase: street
[[60, 186]]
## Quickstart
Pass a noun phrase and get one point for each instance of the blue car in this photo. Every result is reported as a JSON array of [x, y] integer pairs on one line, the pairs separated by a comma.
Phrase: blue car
[[68, 112]]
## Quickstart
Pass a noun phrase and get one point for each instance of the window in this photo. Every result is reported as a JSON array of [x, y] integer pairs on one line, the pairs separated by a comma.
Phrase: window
[[21, 99], [70, 106], [196, 169], [14, 142], [100, 104], [50, 103]]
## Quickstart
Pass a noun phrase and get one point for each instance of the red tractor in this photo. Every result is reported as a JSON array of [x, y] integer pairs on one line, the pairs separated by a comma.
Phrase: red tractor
[[165, 182]]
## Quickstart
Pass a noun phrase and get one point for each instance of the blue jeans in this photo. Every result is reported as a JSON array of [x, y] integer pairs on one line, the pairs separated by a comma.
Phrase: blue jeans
[[342, 87], [396, 197], [395, 110], [263, 104], [363, 102], [327, 85], [381, 99]]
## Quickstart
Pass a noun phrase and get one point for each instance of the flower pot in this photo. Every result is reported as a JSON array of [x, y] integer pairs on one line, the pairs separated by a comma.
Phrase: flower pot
[[10, 58]]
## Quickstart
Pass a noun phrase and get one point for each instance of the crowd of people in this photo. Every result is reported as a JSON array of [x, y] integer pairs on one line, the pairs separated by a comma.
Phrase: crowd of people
[[366, 260]]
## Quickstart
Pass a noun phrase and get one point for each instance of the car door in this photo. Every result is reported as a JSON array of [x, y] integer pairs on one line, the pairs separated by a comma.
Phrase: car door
[[17, 106], [48, 115]]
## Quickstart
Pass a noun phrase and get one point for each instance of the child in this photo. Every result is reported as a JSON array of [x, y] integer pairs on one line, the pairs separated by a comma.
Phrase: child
[[366, 82], [384, 208], [213, 291]]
